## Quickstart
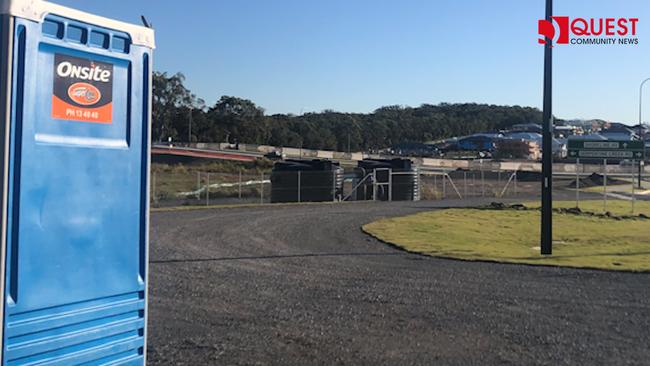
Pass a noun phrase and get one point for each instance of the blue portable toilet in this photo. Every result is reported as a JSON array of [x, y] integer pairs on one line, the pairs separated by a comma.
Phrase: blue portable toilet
[[75, 98]]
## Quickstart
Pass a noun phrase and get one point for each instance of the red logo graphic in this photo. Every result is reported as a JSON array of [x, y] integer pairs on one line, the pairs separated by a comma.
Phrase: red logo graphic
[[84, 94], [563, 30], [547, 29]]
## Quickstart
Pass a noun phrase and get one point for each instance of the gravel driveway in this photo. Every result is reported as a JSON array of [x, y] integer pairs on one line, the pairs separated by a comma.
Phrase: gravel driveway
[[302, 285]]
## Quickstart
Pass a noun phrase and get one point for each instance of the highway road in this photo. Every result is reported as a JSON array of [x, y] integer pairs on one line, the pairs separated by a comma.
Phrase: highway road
[[302, 285]]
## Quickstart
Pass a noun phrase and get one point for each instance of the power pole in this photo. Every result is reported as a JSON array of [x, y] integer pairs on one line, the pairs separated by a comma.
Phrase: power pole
[[189, 134], [641, 130], [547, 144], [348, 142]]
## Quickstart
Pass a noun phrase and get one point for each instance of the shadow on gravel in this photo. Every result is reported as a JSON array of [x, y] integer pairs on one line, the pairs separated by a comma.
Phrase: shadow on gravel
[[270, 257]]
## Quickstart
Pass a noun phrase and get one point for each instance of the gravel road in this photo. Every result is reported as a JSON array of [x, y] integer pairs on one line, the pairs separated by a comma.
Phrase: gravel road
[[302, 285]]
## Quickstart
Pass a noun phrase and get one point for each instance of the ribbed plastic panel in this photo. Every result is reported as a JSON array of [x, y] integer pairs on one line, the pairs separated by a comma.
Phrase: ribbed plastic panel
[[100, 332]]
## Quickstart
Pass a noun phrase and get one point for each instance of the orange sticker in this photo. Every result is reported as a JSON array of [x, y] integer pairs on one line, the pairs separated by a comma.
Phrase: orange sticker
[[83, 90], [63, 110], [84, 94]]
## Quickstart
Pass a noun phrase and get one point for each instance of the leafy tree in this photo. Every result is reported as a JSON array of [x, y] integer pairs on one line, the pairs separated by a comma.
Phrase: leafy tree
[[244, 121], [235, 119], [170, 95]]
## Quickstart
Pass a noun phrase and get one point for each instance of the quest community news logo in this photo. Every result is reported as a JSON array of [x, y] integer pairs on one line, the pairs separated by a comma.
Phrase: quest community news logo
[[594, 31]]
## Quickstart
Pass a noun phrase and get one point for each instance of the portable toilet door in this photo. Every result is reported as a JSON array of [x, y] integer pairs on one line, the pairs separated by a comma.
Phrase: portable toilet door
[[75, 97]]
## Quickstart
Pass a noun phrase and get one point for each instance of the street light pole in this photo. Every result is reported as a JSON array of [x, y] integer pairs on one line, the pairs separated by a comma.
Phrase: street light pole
[[641, 99], [348, 141], [189, 134], [640, 127], [547, 141]]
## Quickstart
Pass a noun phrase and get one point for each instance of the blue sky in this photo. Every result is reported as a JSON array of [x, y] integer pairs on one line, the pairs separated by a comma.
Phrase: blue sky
[[293, 56]]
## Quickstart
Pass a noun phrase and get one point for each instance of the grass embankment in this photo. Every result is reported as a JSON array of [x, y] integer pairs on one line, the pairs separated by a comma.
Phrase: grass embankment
[[512, 236], [171, 179]]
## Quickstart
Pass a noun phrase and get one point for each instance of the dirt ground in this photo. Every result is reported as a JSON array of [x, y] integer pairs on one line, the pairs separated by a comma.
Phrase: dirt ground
[[302, 285]]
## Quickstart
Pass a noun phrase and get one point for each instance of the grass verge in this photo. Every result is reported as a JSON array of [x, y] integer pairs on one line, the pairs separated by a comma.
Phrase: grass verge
[[617, 207], [512, 236]]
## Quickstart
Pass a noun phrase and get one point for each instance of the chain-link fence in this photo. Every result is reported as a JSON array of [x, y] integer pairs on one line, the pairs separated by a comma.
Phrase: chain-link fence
[[441, 184], [181, 187], [178, 186], [622, 185], [625, 186]]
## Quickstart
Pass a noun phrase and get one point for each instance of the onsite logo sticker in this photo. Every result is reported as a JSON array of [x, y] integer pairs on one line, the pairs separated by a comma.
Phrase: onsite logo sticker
[[83, 90], [594, 31], [84, 94]]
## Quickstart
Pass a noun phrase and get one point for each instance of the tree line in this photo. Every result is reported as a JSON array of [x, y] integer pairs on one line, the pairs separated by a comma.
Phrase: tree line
[[179, 114]]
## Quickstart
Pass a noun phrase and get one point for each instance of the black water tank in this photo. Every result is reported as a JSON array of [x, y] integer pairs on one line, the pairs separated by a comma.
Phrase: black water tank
[[306, 181], [404, 179]]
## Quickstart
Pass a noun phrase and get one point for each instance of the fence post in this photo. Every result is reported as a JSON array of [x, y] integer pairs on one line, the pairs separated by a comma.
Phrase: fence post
[[198, 185], [444, 186], [390, 185], [299, 178], [577, 183], [262, 188], [207, 191], [516, 171], [435, 186], [633, 195], [482, 180], [473, 183], [365, 189], [374, 185], [333, 185], [240, 184], [418, 176], [464, 184], [605, 185], [498, 181]]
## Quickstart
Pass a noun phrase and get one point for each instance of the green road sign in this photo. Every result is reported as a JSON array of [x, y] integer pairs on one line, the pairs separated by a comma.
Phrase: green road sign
[[597, 149]]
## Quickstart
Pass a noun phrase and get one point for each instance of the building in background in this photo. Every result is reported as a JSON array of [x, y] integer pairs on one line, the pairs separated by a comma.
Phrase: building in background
[[619, 132]]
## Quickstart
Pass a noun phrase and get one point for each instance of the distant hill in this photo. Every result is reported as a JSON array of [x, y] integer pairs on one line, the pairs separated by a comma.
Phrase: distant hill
[[240, 120]]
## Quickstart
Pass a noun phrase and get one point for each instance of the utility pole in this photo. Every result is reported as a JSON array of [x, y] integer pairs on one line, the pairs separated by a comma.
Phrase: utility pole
[[547, 144], [348, 141], [189, 134], [641, 129]]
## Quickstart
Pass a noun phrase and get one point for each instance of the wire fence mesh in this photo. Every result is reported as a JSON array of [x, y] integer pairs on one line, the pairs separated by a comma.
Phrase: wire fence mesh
[[179, 186]]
